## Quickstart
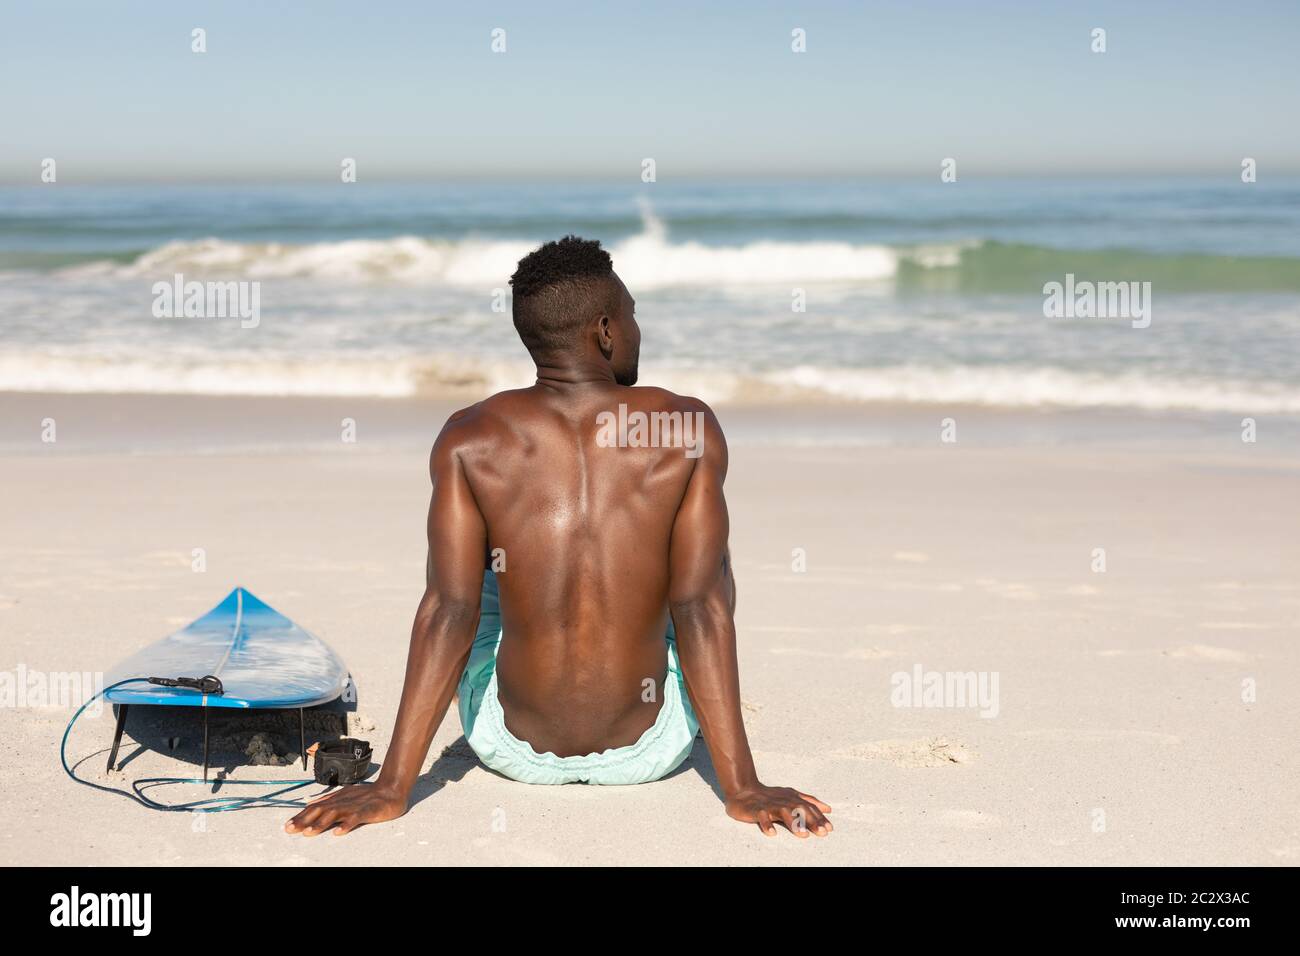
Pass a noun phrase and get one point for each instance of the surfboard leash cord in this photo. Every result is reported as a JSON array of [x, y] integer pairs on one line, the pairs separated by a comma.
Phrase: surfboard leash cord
[[212, 687]]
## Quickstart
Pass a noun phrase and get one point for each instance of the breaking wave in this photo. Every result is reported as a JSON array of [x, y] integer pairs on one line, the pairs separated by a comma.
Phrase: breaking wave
[[460, 377]]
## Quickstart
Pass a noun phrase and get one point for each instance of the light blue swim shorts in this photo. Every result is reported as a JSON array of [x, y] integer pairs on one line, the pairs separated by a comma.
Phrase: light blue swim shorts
[[660, 750]]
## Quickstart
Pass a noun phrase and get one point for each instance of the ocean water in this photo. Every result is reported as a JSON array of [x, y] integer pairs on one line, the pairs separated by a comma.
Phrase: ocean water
[[911, 292]]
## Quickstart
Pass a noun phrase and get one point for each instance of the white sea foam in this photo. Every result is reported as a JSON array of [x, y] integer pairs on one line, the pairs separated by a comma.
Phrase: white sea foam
[[233, 374], [463, 377], [1033, 387], [648, 260]]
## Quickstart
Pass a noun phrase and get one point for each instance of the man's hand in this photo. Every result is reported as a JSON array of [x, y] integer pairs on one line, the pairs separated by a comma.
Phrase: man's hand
[[799, 813], [348, 809]]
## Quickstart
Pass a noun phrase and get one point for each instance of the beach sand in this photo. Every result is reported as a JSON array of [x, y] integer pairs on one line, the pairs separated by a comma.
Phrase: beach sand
[[1146, 714]]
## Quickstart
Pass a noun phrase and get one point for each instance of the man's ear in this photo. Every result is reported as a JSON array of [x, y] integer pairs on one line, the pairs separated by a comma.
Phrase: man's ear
[[604, 336]]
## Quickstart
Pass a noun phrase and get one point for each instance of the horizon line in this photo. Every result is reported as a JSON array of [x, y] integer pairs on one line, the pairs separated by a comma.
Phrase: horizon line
[[1228, 174]]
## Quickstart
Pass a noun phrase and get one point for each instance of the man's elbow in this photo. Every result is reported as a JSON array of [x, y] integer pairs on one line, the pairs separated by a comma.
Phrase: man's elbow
[[704, 614], [449, 614]]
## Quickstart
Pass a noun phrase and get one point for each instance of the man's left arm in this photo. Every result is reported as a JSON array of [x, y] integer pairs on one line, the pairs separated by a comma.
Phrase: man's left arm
[[441, 638]]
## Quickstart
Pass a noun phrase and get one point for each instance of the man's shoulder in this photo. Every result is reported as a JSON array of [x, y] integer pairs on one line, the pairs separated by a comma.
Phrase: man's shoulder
[[465, 429], [654, 398], [466, 423], [461, 424], [697, 419], [483, 425]]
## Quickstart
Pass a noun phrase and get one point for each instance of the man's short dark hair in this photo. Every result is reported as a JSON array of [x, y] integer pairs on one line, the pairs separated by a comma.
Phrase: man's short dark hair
[[558, 288]]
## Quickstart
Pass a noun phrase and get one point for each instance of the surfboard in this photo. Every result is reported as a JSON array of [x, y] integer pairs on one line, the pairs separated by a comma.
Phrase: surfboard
[[262, 658]]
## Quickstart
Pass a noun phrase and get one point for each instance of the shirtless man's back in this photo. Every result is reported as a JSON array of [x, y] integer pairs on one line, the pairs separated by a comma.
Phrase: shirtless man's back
[[596, 509], [583, 532]]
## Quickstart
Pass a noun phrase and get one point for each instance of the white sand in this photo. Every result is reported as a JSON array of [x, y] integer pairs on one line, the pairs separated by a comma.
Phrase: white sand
[[1120, 693]]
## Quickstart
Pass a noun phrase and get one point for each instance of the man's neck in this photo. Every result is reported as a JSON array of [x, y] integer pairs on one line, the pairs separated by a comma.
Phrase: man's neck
[[565, 377]]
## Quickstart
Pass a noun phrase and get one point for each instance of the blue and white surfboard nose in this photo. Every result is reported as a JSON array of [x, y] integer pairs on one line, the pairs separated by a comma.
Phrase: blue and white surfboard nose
[[262, 658]]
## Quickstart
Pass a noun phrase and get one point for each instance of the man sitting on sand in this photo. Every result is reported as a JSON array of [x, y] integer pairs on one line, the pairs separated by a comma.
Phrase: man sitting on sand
[[600, 637]]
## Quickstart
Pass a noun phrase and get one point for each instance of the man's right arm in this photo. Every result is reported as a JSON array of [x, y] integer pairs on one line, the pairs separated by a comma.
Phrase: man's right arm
[[702, 599]]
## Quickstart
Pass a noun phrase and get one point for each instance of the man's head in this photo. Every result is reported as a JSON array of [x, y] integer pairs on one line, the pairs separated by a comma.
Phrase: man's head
[[569, 305]]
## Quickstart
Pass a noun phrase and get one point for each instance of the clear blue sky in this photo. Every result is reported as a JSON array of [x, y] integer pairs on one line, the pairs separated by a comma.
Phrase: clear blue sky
[[412, 90]]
